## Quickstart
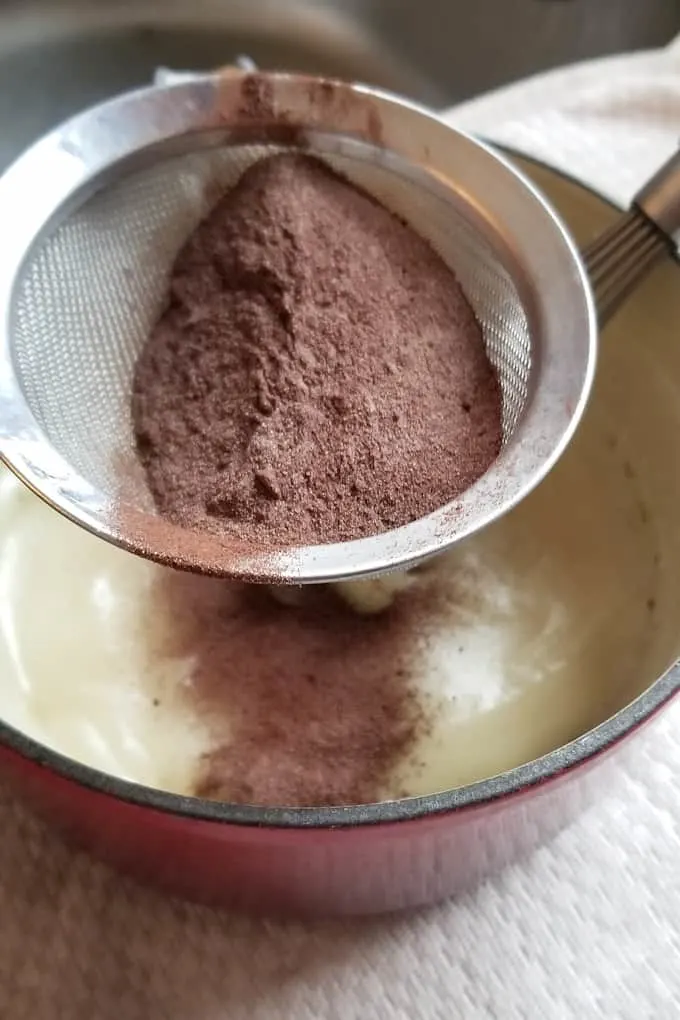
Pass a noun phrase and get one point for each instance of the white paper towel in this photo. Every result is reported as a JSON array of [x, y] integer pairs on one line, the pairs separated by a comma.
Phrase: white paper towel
[[588, 928]]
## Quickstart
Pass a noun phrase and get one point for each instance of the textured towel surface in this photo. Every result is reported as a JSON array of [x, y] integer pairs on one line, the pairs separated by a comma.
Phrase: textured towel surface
[[589, 927]]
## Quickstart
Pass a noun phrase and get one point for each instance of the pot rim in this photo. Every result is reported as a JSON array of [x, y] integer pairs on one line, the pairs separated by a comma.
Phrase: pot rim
[[548, 767]]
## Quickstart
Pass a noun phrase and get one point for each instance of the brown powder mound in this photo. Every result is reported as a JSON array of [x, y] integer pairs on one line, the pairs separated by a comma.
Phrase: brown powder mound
[[318, 374], [308, 706]]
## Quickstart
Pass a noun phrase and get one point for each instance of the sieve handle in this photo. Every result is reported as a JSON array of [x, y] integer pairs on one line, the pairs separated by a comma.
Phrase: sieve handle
[[622, 257], [659, 199]]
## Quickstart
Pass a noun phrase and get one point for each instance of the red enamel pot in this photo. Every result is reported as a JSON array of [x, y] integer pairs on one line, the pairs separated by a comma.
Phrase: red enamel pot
[[414, 851]]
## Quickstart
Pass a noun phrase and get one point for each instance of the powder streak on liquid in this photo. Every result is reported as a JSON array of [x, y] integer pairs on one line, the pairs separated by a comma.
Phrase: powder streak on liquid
[[310, 705]]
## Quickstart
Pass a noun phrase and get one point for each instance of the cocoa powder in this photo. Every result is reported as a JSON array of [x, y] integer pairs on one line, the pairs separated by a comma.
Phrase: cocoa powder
[[307, 706], [317, 375]]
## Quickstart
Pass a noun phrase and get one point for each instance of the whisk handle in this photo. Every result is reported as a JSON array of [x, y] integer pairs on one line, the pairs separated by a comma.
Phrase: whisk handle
[[659, 199]]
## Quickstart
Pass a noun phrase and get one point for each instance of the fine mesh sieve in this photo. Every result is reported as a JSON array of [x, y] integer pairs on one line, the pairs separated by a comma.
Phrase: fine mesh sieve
[[94, 214]]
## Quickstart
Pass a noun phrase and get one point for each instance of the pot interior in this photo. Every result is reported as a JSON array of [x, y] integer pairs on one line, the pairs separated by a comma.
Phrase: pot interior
[[557, 617]]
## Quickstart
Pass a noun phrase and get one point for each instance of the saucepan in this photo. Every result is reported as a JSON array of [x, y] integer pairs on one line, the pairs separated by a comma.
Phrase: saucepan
[[524, 751]]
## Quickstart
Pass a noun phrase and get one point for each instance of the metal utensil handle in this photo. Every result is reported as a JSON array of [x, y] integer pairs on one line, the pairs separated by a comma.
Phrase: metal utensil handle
[[620, 258], [659, 199]]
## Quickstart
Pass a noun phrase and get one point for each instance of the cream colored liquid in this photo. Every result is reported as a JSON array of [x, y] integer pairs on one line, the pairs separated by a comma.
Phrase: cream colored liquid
[[548, 626]]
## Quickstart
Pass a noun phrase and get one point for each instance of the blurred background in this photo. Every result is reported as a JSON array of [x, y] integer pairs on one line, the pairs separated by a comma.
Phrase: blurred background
[[57, 56]]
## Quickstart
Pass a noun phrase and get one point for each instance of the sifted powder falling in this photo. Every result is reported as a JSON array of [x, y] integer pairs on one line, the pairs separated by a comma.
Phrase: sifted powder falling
[[317, 375]]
